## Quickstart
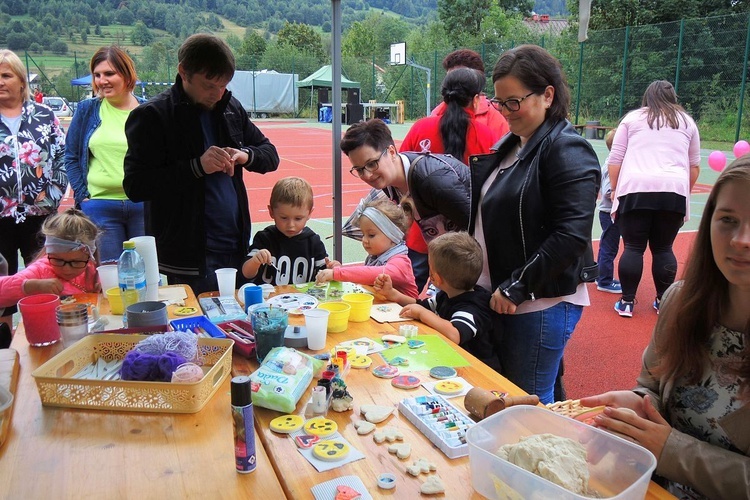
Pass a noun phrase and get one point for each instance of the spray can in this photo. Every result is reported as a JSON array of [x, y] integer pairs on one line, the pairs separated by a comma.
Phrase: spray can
[[242, 417]]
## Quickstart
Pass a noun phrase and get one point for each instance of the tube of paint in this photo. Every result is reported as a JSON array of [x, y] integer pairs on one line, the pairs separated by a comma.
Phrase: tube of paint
[[242, 417]]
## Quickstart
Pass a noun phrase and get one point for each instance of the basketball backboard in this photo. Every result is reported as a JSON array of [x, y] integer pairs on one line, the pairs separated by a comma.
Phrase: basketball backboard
[[398, 53]]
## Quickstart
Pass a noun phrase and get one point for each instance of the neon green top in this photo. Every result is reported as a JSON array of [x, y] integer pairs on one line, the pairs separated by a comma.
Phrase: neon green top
[[107, 148]]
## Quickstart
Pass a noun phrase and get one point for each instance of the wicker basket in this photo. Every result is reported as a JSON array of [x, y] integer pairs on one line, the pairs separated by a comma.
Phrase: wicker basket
[[56, 388]]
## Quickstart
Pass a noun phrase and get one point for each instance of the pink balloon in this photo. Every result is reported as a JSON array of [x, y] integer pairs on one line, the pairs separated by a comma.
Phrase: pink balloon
[[741, 148], [717, 160]]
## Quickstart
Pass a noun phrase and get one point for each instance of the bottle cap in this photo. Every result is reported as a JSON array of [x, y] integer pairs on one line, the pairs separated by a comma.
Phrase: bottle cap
[[241, 391], [128, 245]]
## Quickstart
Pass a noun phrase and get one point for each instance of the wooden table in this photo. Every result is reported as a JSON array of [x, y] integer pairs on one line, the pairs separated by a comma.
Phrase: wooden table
[[71, 453], [297, 475]]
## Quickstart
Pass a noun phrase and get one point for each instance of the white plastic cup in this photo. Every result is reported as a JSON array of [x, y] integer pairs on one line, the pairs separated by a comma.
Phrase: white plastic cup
[[226, 277], [316, 322], [108, 276], [73, 322]]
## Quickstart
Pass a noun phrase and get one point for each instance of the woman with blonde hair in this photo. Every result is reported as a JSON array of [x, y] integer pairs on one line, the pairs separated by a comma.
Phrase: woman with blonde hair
[[96, 150], [32, 174]]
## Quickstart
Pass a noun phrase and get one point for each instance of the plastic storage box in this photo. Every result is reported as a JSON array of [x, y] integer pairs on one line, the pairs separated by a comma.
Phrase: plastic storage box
[[618, 468]]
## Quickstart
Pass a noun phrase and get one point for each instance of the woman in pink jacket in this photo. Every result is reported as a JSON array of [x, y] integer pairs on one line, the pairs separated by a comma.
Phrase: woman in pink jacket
[[653, 165]]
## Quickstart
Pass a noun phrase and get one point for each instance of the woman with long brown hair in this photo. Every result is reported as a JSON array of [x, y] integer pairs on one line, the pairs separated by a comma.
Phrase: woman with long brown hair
[[691, 403], [653, 165]]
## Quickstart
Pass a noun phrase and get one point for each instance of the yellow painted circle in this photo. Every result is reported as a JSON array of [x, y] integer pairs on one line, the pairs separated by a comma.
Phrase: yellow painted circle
[[287, 423], [360, 361], [185, 311], [330, 450], [449, 387], [321, 427]]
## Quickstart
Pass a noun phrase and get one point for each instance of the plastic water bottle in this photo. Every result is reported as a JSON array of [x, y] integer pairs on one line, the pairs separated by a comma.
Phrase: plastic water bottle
[[131, 273]]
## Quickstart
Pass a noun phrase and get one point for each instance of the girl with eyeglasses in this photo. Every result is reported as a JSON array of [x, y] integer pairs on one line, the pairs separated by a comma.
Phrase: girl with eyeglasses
[[65, 266]]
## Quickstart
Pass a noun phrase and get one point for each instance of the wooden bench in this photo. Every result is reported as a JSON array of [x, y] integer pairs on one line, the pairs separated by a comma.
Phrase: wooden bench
[[600, 131]]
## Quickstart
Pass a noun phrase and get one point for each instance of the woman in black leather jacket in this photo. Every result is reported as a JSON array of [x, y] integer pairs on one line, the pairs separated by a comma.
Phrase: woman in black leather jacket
[[532, 210]]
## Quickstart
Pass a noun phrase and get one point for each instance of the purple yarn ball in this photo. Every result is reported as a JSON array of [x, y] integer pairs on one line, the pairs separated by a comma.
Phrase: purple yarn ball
[[168, 363], [139, 366]]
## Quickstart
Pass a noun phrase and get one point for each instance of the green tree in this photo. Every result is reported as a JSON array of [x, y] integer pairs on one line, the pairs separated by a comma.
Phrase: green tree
[[374, 35], [462, 18], [17, 41], [252, 49], [302, 37], [141, 35], [124, 16], [59, 47]]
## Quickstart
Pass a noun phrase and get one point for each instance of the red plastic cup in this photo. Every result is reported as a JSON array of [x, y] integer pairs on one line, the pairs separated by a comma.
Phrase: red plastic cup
[[39, 319]]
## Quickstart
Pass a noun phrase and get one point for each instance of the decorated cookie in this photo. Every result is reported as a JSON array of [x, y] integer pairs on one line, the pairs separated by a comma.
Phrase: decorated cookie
[[287, 423], [305, 441], [321, 427], [185, 311], [394, 339], [449, 387], [360, 361], [420, 466], [401, 450], [376, 413], [385, 371], [399, 361], [414, 343], [330, 451], [364, 427], [390, 434], [442, 372], [344, 492], [406, 382], [432, 486]]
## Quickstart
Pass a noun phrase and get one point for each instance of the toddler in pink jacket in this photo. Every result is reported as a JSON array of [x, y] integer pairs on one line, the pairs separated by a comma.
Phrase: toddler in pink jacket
[[383, 226], [67, 265]]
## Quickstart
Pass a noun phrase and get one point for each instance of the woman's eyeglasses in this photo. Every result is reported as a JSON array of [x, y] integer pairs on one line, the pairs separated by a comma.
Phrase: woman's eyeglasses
[[509, 104], [75, 264], [370, 166]]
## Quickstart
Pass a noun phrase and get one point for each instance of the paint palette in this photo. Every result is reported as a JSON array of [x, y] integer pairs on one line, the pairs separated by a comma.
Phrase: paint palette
[[443, 424], [294, 303]]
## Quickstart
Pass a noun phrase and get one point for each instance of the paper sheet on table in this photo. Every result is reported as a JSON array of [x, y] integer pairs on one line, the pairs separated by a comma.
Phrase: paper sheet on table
[[430, 386], [387, 313], [434, 352], [323, 465], [327, 490], [172, 293]]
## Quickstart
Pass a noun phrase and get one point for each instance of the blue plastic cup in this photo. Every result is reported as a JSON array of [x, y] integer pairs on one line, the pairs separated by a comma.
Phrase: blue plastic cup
[[253, 294]]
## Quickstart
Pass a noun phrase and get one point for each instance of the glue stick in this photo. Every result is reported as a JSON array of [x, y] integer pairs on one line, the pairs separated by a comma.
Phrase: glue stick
[[244, 432]]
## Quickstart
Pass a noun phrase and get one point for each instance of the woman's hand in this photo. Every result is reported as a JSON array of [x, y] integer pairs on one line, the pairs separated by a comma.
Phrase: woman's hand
[[324, 276], [501, 304], [616, 399], [651, 432]]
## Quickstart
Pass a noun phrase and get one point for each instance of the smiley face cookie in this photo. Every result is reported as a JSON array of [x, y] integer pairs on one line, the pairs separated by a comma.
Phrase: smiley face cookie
[[321, 427], [330, 451], [449, 387], [286, 424]]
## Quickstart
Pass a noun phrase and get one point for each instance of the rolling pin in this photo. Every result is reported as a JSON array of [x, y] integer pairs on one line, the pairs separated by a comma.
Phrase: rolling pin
[[481, 403]]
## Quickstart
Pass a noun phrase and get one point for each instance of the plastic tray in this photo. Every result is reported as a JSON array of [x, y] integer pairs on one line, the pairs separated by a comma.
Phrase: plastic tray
[[56, 388], [432, 415], [197, 323], [243, 349]]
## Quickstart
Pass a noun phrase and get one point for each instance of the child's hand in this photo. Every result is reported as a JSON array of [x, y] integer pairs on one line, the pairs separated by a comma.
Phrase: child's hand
[[52, 285], [384, 285], [324, 276], [263, 256], [330, 264], [413, 311]]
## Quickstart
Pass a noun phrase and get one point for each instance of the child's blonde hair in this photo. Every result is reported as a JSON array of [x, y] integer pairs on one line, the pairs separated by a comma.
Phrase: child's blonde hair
[[457, 258], [609, 138], [293, 191], [393, 211], [71, 225]]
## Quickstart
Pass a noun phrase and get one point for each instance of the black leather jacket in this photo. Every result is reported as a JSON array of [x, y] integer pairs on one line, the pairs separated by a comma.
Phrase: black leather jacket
[[163, 168], [538, 213]]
